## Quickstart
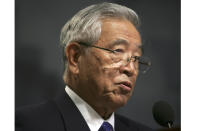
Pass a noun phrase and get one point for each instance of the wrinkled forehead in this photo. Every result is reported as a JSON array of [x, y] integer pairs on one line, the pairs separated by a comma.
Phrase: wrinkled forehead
[[118, 41], [119, 32]]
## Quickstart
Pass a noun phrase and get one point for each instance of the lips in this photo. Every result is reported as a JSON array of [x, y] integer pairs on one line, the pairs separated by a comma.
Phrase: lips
[[125, 85]]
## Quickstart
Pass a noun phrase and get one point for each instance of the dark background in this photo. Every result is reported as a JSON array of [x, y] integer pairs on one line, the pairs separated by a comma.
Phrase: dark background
[[38, 56]]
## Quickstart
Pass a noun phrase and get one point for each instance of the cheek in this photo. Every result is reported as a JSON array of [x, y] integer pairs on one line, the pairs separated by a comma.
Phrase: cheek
[[102, 71], [110, 70], [103, 66]]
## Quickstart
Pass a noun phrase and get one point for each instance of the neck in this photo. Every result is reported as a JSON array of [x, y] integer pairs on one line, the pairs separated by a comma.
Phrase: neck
[[103, 112], [102, 109]]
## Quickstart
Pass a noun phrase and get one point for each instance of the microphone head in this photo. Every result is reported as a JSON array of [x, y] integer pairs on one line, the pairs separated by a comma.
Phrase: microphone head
[[163, 113]]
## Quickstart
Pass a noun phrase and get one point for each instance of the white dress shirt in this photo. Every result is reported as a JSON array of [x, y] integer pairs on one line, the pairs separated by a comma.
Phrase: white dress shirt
[[92, 118]]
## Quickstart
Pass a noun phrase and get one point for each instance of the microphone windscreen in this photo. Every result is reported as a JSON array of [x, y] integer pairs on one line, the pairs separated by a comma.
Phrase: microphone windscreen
[[163, 113]]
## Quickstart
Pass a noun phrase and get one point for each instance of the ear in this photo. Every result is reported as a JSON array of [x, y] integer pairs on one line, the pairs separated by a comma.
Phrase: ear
[[73, 53]]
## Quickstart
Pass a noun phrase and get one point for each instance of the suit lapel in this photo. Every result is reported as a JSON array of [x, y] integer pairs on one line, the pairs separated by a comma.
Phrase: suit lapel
[[73, 120], [122, 126]]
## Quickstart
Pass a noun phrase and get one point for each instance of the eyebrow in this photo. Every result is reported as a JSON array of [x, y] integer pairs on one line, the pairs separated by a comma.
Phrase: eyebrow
[[123, 42]]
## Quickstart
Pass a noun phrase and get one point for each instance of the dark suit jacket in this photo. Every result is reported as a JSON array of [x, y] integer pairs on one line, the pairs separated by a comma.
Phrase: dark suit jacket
[[61, 114]]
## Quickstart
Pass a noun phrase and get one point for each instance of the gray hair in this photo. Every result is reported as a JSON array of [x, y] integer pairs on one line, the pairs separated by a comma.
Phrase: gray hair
[[85, 26]]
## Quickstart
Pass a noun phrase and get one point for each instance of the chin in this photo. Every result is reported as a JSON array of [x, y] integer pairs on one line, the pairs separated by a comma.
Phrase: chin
[[118, 101]]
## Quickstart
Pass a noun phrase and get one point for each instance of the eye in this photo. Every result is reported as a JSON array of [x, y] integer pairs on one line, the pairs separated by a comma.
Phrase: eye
[[137, 58], [118, 50]]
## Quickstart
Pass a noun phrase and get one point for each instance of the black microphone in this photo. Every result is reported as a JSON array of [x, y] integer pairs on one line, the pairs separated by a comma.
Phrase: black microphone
[[163, 114]]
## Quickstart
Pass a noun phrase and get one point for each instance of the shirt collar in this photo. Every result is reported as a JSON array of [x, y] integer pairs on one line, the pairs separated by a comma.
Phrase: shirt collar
[[92, 118]]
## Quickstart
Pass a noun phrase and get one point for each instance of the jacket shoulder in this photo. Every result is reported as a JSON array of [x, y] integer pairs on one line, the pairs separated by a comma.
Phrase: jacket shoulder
[[44, 116], [132, 124]]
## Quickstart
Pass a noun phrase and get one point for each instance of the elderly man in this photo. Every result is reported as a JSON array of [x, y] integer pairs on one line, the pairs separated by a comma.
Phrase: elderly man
[[103, 57]]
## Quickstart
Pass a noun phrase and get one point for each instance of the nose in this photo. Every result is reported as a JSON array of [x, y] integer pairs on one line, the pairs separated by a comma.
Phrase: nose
[[128, 69]]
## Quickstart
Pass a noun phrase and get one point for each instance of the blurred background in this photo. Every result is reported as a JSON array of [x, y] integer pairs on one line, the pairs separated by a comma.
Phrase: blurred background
[[38, 55]]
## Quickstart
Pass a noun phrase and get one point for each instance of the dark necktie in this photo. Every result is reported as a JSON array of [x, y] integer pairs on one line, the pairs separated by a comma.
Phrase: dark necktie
[[106, 127]]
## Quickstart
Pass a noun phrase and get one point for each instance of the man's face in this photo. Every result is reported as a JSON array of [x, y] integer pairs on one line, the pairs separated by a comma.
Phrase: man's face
[[104, 82]]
